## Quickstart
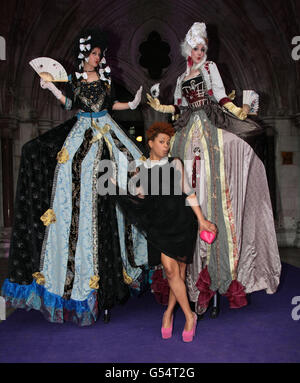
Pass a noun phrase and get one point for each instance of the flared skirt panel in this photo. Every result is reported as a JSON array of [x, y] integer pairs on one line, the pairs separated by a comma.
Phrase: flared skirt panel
[[232, 190]]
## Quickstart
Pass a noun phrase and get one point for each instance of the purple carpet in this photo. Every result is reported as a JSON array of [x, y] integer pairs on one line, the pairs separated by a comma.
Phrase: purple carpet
[[262, 332]]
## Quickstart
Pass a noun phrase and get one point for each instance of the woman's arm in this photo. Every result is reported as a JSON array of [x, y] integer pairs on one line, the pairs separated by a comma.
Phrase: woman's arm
[[120, 106], [204, 224], [220, 94], [53, 89], [131, 104], [63, 99], [192, 199]]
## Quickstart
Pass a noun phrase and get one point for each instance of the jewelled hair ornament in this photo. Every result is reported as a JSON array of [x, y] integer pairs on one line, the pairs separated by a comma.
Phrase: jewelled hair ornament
[[49, 69]]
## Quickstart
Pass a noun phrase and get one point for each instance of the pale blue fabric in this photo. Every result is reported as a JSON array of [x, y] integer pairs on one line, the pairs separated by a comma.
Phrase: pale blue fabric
[[57, 241]]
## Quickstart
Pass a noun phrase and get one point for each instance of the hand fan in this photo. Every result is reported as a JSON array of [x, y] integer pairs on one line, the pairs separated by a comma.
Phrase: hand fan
[[49, 69], [251, 98]]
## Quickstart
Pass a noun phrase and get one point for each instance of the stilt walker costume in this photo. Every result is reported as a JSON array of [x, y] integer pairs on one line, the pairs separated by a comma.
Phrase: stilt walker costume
[[230, 182], [72, 252]]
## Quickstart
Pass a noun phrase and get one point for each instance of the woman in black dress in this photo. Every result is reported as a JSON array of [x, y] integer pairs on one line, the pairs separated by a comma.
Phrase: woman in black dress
[[165, 207]]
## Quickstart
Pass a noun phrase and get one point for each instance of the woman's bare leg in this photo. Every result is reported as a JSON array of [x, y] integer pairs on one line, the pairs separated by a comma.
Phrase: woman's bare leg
[[178, 288], [168, 314]]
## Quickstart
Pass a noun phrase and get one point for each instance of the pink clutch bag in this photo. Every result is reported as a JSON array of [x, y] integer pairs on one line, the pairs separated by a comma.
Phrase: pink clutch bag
[[207, 236]]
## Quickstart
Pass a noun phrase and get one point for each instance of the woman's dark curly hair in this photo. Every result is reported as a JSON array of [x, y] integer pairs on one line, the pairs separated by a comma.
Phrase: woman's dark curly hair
[[159, 127], [98, 39]]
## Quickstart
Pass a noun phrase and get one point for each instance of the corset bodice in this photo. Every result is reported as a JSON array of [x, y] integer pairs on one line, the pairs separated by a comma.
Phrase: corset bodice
[[194, 91], [91, 96]]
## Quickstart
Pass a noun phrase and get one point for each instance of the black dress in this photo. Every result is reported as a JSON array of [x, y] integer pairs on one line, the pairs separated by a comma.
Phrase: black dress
[[162, 212]]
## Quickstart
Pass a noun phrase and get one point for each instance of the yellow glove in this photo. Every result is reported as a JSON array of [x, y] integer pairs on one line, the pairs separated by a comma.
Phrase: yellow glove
[[155, 104], [238, 112], [231, 95]]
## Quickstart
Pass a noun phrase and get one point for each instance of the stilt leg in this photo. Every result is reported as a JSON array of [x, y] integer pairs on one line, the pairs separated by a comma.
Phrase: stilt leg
[[215, 309], [106, 317]]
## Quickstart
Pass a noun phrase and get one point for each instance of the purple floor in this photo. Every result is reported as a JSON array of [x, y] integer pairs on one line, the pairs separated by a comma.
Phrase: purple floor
[[262, 332]]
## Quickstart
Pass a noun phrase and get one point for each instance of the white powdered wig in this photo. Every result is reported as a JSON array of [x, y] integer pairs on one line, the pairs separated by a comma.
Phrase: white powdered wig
[[196, 35]]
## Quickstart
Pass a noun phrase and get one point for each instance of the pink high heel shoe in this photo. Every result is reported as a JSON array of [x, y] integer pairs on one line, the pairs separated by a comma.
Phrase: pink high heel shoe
[[166, 333], [187, 336]]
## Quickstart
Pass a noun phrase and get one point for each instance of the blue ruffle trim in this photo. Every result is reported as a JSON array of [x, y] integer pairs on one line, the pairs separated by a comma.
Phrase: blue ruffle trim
[[55, 308]]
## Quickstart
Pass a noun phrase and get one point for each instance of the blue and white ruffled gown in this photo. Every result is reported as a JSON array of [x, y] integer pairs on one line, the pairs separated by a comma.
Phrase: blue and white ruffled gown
[[76, 243]]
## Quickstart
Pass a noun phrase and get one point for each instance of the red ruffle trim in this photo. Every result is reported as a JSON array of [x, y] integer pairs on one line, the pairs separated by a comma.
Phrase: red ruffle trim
[[160, 287], [235, 293], [224, 100]]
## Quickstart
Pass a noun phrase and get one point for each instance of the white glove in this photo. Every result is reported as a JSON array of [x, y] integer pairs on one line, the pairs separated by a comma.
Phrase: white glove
[[137, 99], [49, 85]]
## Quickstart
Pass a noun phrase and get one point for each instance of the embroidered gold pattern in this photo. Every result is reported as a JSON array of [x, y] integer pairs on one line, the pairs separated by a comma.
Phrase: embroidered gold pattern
[[48, 217]]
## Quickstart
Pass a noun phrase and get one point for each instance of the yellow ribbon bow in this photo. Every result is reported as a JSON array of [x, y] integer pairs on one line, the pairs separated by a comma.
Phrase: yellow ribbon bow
[[48, 217], [94, 282], [39, 278], [101, 131]]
